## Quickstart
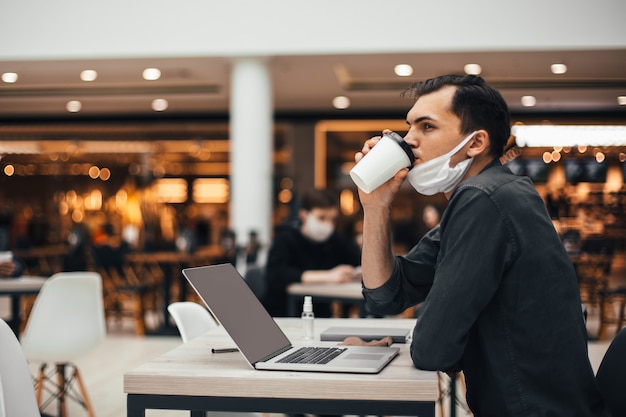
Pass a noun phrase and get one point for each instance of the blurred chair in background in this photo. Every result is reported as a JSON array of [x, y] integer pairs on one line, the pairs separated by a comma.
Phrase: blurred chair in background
[[192, 319], [67, 321], [255, 278], [17, 396]]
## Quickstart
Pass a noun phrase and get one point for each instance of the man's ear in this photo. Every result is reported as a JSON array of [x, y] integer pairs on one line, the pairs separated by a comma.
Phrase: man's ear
[[479, 144]]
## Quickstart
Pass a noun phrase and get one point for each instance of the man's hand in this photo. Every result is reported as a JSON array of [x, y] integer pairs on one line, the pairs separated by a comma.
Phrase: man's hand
[[384, 194], [357, 341], [337, 275], [341, 274]]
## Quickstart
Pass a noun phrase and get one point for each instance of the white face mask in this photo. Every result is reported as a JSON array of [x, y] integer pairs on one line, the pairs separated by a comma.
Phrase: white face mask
[[436, 176], [317, 230]]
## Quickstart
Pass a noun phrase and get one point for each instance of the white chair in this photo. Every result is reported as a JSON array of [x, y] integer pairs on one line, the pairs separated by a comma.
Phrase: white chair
[[67, 321], [191, 319], [17, 396]]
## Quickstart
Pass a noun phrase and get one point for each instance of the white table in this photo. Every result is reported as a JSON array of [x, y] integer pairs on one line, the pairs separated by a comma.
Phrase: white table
[[191, 378]]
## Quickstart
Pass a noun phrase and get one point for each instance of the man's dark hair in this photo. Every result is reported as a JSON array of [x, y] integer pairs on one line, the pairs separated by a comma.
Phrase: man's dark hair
[[476, 103], [318, 198]]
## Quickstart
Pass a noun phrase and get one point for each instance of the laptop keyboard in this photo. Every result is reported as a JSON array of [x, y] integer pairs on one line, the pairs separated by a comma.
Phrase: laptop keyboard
[[312, 355]]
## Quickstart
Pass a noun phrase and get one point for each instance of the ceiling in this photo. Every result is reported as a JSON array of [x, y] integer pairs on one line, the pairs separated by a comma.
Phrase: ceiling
[[307, 84]]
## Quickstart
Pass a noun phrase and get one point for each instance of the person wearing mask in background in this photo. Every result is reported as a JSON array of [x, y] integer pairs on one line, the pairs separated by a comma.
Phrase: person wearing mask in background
[[312, 253], [500, 298]]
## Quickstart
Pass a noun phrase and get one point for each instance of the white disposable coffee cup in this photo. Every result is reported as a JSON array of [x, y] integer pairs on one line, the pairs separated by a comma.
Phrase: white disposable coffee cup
[[382, 162]]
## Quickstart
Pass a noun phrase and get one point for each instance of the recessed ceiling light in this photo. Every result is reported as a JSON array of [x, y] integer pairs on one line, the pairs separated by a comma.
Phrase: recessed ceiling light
[[9, 77], [341, 102], [74, 106], [472, 69], [159, 104], [529, 101], [151, 74], [403, 70], [621, 100], [558, 68], [88, 75]]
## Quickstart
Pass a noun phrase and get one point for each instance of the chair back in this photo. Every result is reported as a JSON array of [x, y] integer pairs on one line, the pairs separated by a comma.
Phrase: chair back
[[67, 319], [17, 394], [610, 375], [255, 278], [192, 319]]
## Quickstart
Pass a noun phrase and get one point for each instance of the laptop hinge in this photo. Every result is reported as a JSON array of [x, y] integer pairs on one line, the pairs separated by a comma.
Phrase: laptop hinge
[[273, 355]]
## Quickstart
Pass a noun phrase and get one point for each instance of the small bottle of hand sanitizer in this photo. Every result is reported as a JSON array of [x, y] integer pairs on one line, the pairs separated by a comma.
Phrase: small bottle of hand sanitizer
[[307, 317]]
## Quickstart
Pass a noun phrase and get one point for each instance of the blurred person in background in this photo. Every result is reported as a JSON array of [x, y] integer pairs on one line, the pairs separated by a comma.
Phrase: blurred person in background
[[311, 253]]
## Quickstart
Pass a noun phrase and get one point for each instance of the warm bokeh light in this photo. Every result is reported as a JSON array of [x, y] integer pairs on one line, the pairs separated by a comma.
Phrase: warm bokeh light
[[547, 157], [347, 203], [93, 201], [159, 104], [105, 174], [170, 190], [528, 101], [88, 75], [211, 190], [9, 77], [558, 69], [285, 196], [341, 102], [472, 69], [94, 172], [74, 106], [403, 70], [151, 74]]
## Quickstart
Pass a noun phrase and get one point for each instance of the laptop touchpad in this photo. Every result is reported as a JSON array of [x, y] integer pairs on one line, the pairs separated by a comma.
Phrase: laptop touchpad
[[364, 356]]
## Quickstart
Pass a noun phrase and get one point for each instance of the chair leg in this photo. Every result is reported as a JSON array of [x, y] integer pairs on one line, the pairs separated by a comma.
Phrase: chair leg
[[83, 392], [442, 394], [139, 314], [39, 384], [62, 389]]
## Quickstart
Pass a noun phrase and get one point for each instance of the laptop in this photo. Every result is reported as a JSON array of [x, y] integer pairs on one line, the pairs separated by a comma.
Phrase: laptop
[[260, 340]]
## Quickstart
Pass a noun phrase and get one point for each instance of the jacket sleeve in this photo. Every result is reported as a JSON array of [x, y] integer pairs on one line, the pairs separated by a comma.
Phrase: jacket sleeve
[[411, 279]]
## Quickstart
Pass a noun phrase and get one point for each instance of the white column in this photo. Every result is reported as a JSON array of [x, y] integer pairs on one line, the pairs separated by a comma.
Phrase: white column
[[251, 138]]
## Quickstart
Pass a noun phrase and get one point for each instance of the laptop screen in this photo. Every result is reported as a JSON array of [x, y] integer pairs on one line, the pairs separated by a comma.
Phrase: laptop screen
[[235, 306]]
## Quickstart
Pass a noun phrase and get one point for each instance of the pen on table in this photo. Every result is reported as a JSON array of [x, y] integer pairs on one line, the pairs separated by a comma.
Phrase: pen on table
[[225, 350]]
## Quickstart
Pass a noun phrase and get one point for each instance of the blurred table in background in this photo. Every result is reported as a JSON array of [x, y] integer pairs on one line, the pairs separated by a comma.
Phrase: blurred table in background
[[16, 288]]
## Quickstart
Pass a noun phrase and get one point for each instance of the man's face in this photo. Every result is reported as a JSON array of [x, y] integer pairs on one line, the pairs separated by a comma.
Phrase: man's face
[[433, 129]]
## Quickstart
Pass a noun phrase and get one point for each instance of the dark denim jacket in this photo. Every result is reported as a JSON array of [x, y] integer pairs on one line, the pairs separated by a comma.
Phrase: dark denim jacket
[[500, 301]]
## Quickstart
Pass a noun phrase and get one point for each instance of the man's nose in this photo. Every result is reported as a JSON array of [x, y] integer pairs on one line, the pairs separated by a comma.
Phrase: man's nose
[[411, 140]]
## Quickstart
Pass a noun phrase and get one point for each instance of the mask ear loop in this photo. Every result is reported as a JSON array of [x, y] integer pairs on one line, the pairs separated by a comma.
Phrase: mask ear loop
[[462, 143]]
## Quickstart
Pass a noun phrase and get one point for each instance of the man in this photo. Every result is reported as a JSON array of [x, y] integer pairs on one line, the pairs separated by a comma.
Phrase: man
[[499, 295], [311, 253]]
